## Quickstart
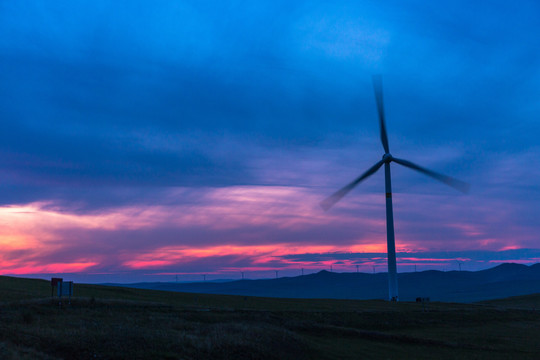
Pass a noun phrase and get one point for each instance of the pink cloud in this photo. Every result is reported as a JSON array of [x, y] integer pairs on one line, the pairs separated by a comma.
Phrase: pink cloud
[[244, 227]]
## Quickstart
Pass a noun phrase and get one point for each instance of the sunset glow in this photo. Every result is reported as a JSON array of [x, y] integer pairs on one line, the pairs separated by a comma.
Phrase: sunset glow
[[36, 238], [188, 138]]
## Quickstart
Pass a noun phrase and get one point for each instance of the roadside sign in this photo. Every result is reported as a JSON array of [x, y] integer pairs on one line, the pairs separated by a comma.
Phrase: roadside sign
[[65, 288], [54, 283]]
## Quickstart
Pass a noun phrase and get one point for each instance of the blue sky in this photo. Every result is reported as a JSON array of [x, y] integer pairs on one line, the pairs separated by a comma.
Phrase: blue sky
[[211, 130]]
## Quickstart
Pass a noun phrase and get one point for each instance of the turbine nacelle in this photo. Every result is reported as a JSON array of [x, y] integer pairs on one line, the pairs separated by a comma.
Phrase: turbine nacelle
[[387, 159]]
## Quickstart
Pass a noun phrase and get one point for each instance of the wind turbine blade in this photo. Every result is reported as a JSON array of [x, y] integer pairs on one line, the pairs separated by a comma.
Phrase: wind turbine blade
[[377, 87], [455, 183], [330, 201]]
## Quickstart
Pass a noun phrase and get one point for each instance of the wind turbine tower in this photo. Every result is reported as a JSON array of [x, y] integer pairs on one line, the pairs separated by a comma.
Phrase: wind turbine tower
[[386, 160]]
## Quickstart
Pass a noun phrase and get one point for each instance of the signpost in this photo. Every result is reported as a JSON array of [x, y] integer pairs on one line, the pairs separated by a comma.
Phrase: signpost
[[54, 283], [63, 288]]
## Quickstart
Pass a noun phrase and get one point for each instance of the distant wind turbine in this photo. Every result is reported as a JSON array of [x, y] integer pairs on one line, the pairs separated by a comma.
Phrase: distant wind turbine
[[386, 160]]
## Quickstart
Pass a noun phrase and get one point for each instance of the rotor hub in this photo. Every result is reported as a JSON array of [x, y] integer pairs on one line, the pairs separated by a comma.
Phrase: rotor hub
[[387, 158]]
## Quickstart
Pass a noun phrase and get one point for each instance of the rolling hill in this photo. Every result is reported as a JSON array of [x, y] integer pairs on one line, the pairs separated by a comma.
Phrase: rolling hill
[[107, 322], [501, 281]]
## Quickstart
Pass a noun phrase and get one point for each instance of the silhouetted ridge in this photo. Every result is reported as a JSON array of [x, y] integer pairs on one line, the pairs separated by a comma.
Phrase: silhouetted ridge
[[322, 274], [508, 267], [452, 286]]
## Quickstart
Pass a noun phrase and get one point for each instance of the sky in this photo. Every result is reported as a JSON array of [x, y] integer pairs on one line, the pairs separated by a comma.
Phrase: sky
[[155, 141]]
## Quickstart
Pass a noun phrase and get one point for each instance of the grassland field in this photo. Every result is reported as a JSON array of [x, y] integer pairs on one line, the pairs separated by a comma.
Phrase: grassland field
[[104, 322]]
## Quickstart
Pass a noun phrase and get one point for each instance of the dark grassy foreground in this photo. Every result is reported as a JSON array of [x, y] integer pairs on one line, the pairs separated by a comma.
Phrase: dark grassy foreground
[[122, 323]]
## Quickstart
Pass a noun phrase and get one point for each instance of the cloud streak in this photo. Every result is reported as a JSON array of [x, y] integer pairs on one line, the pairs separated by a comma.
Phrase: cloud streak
[[246, 229]]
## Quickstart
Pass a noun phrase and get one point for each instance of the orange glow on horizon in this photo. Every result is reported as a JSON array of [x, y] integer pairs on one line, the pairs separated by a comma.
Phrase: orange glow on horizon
[[54, 268], [34, 227], [369, 248], [510, 247], [38, 230], [260, 254]]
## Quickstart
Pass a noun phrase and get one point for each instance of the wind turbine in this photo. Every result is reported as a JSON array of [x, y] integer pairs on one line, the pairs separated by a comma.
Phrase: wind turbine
[[386, 160]]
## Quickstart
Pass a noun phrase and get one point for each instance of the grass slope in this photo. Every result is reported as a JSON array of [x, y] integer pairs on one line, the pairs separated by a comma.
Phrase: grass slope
[[117, 323]]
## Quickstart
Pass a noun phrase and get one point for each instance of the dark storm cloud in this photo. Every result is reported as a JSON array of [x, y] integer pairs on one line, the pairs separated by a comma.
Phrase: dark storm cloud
[[111, 97], [86, 108]]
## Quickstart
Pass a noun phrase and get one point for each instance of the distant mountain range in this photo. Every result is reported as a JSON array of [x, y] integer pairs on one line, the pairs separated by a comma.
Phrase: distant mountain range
[[454, 286]]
